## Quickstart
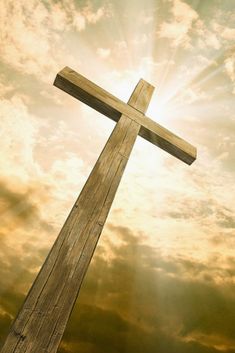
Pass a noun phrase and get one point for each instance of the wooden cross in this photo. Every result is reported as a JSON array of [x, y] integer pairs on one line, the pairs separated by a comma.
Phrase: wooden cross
[[42, 319]]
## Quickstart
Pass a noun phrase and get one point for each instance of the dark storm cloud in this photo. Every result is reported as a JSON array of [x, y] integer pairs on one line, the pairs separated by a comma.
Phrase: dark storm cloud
[[141, 301], [205, 211], [5, 321], [18, 273], [102, 331], [16, 276], [17, 203], [18, 267], [226, 219], [165, 300], [21, 207], [190, 208], [10, 302], [112, 333]]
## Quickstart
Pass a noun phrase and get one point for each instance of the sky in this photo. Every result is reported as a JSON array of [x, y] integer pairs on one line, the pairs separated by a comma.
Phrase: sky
[[163, 275]]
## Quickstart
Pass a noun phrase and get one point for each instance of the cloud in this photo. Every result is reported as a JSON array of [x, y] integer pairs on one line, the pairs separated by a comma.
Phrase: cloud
[[5, 87], [186, 26], [230, 67], [5, 321], [206, 35], [200, 210], [103, 53], [18, 136], [140, 293], [215, 34], [224, 31], [25, 139], [31, 41], [94, 16], [183, 17], [17, 203], [228, 33]]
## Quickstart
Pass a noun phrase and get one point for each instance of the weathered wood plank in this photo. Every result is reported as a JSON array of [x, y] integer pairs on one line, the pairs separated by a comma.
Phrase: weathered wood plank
[[42, 320], [166, 140], [107, 104], [39, 303], [89, 93], [141, 96]]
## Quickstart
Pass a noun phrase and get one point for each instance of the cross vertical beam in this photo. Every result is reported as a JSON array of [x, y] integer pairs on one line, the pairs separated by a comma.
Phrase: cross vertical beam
[[40, 324]]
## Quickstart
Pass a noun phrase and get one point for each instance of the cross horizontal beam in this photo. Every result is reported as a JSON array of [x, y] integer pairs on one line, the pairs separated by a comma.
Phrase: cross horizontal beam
[[88, 92]]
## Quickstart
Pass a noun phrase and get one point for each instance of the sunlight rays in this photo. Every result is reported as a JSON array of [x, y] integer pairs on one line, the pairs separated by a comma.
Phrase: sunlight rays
[[199, 80]]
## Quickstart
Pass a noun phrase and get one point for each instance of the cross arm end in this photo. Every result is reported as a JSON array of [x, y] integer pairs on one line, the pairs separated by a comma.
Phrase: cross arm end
[[168, 141]]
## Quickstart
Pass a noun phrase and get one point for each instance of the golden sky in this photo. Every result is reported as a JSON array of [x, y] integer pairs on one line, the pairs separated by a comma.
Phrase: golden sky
[[163, 276]]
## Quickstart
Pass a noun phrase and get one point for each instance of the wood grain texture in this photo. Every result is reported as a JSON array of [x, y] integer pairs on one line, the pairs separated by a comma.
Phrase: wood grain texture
[[104, 102], [42, 320]]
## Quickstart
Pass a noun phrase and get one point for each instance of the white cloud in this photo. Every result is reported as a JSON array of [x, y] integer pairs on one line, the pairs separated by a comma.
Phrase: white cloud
[[178, 28], [147, 19], [30, 40], [229, 66], [122, 45], [5, 87], [207, 37], [211, 40], [215, 35], [103, 53], [87, 15], [79, 22], [228, 33], [94, 16], [141, 39], [17, 133], [22, 154], [224, 31]]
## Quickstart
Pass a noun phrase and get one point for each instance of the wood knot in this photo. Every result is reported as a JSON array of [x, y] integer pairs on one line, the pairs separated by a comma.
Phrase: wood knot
[[18, 334]]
